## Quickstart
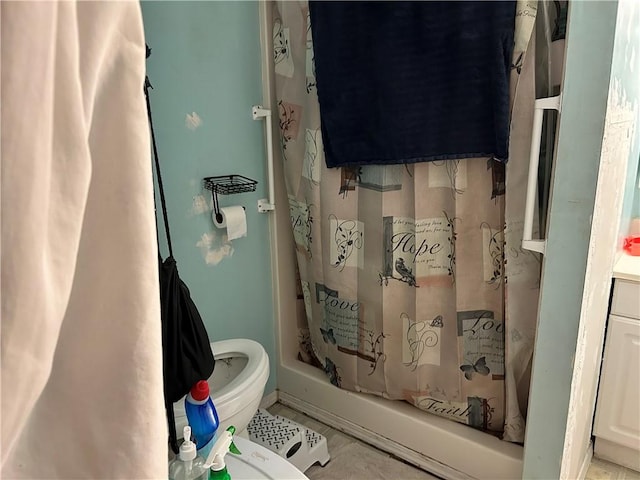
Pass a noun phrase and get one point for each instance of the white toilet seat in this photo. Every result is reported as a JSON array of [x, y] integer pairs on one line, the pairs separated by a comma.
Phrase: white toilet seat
[[252, 375], [256, 462]]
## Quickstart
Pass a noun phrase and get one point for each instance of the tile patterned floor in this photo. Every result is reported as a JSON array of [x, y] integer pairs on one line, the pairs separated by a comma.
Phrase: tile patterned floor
[[371, 463], [601, 470], [375, 464]]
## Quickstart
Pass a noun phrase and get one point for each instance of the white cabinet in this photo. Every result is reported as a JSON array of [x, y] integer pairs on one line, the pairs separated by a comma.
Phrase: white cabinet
[[617, 424]]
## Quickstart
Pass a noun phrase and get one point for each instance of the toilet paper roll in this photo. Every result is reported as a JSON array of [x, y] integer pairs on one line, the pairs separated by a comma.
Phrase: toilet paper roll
[[234, 219]]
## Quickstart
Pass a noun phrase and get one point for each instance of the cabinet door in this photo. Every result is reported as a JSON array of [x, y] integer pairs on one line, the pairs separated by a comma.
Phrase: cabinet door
[[618, 409]]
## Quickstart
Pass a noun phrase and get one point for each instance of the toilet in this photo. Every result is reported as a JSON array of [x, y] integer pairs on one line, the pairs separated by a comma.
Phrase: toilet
[[236, 385]]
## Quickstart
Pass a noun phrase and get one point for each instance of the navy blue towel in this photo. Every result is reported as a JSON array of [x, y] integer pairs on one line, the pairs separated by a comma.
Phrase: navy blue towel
[[405, 82]]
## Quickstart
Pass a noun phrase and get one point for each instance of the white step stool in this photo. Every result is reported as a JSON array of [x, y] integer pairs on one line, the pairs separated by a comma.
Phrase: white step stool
[[299, 445]]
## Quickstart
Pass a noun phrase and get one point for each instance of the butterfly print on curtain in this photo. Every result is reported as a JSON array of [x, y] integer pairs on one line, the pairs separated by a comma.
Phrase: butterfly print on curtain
[[479, 367], [332, 371]]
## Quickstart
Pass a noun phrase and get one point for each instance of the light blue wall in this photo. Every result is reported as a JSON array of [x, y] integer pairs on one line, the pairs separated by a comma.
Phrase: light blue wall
[[206, 59], [590, 40]]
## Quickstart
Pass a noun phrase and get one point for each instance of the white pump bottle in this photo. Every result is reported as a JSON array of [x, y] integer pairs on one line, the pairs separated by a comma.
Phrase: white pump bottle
[[188, 466]]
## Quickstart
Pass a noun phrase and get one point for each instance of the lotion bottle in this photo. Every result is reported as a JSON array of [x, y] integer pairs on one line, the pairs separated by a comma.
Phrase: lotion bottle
[[188, 465]]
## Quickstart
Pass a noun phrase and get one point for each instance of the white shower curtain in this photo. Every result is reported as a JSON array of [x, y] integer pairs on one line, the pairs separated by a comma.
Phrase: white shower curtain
[[81, 345]]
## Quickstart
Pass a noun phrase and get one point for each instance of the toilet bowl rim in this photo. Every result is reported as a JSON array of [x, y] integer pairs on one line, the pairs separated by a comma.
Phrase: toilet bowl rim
[[253, 371]]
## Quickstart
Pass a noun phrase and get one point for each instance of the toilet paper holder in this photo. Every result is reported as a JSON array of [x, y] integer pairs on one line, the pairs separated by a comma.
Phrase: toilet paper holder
[[227, 185]]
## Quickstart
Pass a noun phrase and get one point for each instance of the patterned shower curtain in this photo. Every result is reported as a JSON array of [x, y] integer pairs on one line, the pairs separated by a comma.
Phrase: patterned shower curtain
[[403, 268]]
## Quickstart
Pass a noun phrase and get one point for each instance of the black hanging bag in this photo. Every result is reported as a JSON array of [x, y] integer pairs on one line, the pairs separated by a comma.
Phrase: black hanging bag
[[186, 352]]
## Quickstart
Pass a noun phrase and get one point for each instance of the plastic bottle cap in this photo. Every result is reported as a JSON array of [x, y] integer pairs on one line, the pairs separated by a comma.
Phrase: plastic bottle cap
[[224, 444], [188, 448], [200, 390]]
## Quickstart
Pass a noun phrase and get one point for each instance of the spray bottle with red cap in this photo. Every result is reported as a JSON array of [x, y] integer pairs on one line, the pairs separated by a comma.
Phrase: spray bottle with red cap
[[202, 417]]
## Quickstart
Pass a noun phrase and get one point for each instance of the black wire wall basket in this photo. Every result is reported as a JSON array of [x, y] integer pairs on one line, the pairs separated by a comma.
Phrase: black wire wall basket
[[227, 185]]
